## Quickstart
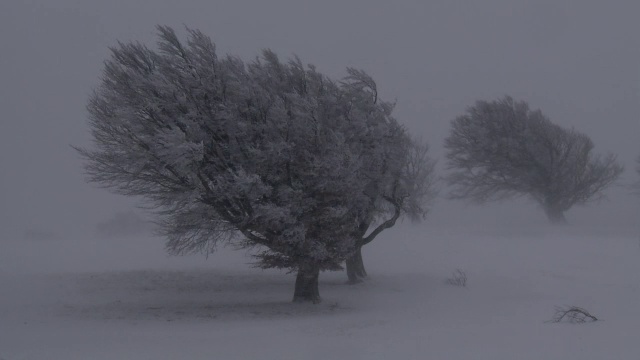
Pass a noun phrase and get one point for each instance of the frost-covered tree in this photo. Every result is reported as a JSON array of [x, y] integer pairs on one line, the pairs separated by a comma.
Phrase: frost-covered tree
[[263, 154], [403, 186], [397, 169], [501, 149]]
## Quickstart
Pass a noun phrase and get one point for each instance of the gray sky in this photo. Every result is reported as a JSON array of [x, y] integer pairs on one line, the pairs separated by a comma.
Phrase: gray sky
[[578, 60]]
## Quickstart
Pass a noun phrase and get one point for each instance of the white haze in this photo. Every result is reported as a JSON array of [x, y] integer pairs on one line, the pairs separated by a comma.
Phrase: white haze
[[125, 299], [576, 60], [579, 61]]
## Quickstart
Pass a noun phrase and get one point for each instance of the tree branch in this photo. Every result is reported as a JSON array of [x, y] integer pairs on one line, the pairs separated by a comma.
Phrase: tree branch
[[385, 225]]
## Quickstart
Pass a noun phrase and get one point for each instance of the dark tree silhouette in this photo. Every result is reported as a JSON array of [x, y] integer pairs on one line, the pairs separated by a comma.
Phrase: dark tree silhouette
[[264, 154], [501, 149], [403, 187]]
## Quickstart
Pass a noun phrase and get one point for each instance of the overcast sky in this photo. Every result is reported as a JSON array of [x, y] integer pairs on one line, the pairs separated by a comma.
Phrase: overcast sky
[[578, 61]]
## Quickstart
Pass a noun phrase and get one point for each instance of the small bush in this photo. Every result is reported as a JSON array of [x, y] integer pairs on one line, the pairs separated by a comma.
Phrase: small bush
[[458, 278], [573, 315]]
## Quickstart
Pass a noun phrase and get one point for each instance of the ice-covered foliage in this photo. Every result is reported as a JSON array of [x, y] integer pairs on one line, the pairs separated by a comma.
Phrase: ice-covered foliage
[[267, 153], [397, 170], [501, 149]]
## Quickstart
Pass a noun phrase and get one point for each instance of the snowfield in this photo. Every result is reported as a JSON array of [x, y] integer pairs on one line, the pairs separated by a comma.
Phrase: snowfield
[[125, 299]]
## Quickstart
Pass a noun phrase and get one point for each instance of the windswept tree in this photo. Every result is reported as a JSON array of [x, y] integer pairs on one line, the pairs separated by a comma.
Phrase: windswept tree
[[403, 186], [263, 154], [502, 149], [398, 172]]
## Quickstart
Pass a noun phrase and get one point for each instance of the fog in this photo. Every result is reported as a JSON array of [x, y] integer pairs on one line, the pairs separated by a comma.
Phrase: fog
[[578, 61]]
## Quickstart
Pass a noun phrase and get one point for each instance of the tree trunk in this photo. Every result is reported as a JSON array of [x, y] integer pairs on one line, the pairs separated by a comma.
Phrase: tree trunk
[[307, 285], [355, 267], [555, 216]]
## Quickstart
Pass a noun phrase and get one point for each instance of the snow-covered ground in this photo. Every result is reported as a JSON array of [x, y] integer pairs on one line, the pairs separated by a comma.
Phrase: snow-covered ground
[[125, 299]]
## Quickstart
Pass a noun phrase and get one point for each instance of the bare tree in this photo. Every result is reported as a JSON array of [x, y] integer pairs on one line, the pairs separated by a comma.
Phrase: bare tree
[[501, 149], [267, 154], [399, 172], [404, 187]]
